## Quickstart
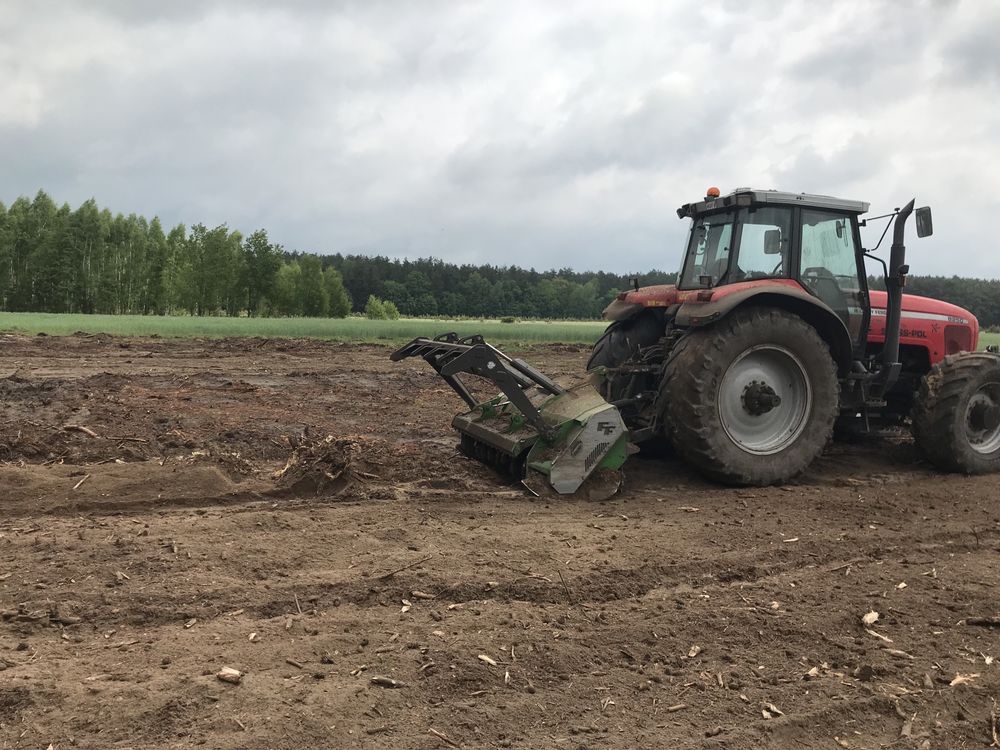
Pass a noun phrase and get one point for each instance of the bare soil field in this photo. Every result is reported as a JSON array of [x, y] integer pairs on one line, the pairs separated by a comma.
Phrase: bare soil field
[[171, 508]]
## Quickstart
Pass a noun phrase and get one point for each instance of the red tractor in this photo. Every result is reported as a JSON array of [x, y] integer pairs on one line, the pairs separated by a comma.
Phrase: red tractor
[[768, 340]]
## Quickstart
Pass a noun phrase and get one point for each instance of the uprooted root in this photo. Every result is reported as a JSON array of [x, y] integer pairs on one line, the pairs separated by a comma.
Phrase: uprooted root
[[328, 466]]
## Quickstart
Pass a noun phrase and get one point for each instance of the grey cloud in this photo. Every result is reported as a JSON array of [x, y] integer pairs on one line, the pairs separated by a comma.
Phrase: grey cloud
[[810, 171], [498, 132], [972, 55]]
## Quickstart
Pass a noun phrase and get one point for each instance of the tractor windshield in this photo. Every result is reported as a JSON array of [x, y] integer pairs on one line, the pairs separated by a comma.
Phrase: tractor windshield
[[724, 248], [707, 258]]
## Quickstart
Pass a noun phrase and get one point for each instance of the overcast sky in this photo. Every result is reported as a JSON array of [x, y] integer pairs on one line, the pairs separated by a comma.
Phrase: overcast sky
[[504, 132]]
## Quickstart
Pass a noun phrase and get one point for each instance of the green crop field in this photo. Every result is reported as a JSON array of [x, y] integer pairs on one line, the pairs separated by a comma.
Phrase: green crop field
[[337, 329], [989, 339]]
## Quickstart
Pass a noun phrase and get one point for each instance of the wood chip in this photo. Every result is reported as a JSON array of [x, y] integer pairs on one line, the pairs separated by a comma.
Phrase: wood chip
[[387, 682], [963, 679], [80, 483], [694, 651], [994, 719], [770, 711], [870, 617], [230, 675], [907, 729], [391, 573], [80, 428], [881, 637], [190, 623], [443, 737], [484, 658]]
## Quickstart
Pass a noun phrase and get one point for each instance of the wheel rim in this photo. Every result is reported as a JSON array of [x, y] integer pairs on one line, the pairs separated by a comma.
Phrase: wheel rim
[[982, 419], [765, 399]]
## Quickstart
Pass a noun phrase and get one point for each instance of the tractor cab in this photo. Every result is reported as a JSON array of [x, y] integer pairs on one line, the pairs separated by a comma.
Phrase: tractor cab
[[794, 239]]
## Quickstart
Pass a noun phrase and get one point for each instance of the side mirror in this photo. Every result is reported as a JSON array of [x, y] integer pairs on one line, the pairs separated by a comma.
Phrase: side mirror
[[925, 227], [772, 241]]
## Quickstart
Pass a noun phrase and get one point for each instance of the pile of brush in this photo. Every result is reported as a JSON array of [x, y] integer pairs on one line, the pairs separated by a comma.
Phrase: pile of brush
[[327, 466]]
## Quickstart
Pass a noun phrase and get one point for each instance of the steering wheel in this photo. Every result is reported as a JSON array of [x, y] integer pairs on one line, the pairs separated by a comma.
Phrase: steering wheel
[[777, 268]]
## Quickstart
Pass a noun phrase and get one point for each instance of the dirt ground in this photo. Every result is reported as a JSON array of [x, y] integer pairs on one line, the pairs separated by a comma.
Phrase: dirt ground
[[146, 542]]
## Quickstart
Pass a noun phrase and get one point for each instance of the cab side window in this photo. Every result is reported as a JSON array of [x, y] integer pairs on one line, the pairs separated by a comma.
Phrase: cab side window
[[764, 244]]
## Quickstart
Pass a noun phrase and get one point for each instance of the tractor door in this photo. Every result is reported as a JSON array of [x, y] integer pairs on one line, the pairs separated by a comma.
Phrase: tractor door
[[830, 267]]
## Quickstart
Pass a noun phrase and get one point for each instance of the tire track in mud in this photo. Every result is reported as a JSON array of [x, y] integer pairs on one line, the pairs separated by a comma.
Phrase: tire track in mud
[[749, 574]]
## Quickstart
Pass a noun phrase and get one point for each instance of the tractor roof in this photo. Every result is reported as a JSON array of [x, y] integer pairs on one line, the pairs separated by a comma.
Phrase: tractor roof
[[750, 196]]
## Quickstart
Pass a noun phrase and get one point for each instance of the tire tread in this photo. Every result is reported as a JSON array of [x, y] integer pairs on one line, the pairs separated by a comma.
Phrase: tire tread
[[940, 398]]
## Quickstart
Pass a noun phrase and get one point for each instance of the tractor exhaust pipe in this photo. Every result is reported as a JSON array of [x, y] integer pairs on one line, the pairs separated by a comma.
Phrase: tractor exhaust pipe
[[894, 282]]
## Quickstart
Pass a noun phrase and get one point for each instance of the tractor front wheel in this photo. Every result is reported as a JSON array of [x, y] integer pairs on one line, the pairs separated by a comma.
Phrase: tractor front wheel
[[956, 417], [621, 341], [752, 399]]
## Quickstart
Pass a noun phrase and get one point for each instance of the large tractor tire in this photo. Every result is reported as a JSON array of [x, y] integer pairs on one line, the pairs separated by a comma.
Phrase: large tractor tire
[[752, 399], [622, 340], [956, 417]]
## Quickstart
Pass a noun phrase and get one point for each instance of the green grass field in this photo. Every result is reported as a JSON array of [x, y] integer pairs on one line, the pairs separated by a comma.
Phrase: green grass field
[[337, 329]]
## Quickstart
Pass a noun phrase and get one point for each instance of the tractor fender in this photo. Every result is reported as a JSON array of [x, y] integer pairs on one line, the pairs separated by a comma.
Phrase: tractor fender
[[695, 314], [619, 309]]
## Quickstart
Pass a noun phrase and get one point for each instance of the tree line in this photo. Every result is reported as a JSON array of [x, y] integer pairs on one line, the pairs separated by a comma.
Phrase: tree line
[[433, 287], [88, 260], [56, 259]]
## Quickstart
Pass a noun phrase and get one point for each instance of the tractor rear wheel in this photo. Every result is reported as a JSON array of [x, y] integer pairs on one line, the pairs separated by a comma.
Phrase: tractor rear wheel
[[752, 399], [956, 417]]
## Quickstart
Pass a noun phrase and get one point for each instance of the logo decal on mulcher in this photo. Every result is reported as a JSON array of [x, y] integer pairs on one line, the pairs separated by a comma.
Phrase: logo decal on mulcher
[[606, 427]]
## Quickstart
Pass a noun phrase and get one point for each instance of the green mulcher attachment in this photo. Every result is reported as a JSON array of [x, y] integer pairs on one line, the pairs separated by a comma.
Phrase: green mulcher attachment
[[568, 439]]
